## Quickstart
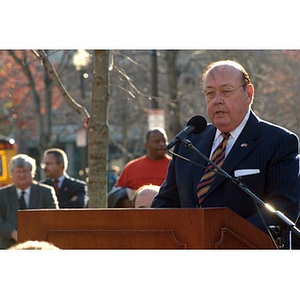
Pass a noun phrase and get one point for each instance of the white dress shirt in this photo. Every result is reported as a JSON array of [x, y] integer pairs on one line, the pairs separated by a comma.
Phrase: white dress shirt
[[233, 136], [60, 180]]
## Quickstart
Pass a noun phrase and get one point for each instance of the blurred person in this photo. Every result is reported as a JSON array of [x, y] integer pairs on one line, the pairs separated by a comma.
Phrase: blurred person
[[150, 168], [112, 177], [71, 192], [120, 198], [144, 196], [34, 245], [23, 193], [265, 154]]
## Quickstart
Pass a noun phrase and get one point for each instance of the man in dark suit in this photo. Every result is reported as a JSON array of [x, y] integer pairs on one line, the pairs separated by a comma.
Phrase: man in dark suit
[[71, 192], [35, 196], [264, 155]]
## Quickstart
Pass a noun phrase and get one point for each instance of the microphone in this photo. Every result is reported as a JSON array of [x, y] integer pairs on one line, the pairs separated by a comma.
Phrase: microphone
[[195, 125]]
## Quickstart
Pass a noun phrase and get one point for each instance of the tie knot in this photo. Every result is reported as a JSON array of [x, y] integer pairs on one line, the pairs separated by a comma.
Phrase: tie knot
[[56, 180], [23, 193], [225, 135]]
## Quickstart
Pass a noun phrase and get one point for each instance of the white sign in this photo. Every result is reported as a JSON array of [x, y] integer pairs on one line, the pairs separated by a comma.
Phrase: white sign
[[156, 118], [81, 138]]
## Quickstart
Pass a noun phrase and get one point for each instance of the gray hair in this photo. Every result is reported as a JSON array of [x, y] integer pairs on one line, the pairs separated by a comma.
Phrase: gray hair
[[22, 161]]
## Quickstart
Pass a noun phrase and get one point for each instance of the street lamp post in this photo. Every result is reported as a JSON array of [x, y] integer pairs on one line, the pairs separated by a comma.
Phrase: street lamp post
[[81, 60], [154, 79]]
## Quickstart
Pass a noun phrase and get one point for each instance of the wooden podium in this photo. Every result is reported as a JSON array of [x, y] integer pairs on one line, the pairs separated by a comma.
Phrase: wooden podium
[[210, 228]]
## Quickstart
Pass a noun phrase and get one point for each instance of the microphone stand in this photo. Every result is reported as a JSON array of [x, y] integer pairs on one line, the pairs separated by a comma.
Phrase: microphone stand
[[289, 224]]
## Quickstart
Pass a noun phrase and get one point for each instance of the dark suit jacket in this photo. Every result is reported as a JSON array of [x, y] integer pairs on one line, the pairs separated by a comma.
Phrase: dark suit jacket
[[261, 145], [41, 196], [72, 194]]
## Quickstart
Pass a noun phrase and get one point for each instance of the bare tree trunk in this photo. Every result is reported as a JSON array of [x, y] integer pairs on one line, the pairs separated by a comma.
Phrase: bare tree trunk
[[98, 132], [97, 125], [45, 138]]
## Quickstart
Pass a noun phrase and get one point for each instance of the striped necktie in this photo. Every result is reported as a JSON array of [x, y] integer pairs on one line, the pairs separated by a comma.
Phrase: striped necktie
[[22, 201], [209, 175]]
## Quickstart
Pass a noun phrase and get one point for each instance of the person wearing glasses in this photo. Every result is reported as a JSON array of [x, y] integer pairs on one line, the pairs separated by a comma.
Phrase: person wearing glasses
[[71, 192], [23, 193], [264, 155]]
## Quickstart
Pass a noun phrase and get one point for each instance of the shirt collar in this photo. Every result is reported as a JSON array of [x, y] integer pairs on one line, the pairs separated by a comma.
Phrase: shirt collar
[[60, 180], [236, 132], [19, 191]]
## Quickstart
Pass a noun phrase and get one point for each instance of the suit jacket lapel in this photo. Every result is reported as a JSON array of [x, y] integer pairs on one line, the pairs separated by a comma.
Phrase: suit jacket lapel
[[33, 196], [14, 197], [65, 185], [245, 144]]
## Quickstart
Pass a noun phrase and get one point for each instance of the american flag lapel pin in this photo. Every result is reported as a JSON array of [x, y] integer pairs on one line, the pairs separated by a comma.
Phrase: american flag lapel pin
[[244, 145]]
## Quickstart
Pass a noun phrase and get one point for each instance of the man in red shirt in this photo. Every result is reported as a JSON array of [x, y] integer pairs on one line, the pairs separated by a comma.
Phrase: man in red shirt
[[150, 168]]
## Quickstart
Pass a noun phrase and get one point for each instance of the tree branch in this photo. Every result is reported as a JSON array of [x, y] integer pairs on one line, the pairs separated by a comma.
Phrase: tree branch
[[81, 110]]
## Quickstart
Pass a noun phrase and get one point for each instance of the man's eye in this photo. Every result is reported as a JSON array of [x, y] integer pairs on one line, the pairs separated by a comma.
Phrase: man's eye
[[210, 94], [227, 92]]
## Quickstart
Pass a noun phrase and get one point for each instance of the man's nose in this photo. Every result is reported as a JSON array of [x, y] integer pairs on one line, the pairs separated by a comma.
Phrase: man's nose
[[218, 98]]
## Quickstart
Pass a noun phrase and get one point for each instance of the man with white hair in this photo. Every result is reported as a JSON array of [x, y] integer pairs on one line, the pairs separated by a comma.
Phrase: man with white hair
[[23, 193]]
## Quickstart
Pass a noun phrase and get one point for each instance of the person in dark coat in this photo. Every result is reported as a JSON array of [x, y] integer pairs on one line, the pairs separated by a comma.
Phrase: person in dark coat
[[71, 192], [23, 193]]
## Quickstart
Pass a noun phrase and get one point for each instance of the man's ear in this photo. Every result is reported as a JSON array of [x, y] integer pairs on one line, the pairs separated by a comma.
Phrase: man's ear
[[250, 92]]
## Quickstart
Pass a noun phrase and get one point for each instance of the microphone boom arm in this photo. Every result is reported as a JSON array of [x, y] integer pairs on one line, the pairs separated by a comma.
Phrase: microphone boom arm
[[290, 225]]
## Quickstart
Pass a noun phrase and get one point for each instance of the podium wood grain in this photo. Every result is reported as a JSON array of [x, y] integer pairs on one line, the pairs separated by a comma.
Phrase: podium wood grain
[[210, 228]]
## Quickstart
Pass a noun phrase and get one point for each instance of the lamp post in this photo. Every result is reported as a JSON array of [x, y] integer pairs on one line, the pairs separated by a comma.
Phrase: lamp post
[[154, 79], [156, 116], [81, 60]]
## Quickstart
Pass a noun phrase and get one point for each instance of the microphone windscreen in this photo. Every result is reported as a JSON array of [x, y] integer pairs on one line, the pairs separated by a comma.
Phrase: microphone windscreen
[[198, 122]]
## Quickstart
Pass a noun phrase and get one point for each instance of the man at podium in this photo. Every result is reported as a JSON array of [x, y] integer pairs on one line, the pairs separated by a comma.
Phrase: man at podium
[[264, 156]]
